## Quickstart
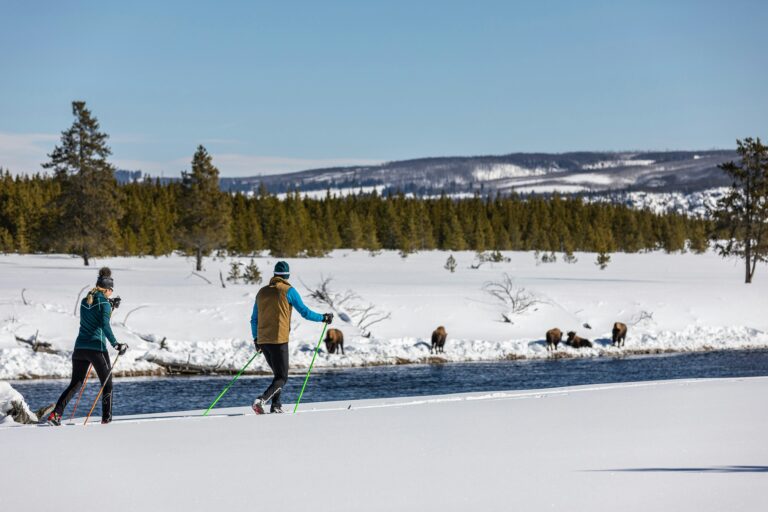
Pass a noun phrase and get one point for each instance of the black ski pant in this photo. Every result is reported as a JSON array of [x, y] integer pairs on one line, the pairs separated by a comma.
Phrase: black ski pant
[[276, 355], [81, 359]]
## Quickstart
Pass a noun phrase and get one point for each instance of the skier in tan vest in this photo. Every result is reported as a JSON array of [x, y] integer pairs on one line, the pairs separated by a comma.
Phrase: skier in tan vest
[[270, 326]]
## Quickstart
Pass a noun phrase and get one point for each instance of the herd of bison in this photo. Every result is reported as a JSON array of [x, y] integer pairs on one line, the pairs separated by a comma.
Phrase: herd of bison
[[334, 339]]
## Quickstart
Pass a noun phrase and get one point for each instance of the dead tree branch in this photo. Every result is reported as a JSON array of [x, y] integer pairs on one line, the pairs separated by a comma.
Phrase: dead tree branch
[[77, 301], [516, 299], [323, 291], [37, 345], [367, 316], [200, 276], [642, 316], [363, 315], [125, 320]]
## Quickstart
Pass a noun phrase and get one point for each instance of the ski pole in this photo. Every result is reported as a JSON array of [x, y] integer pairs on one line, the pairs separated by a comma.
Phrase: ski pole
[[82, 388], [322, 335], [230, 384], [101, 390]]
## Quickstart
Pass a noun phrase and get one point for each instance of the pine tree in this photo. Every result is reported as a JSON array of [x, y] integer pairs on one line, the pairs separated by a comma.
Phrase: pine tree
[[6, 240], [353, 232], [673, 232], [234, 271], [240, 226], [455, 234], [741, 217], [87, 208], [370, 237], [204, 209], [603, 245], [698, 241], [252, 274], [450, 264], [22, 242]]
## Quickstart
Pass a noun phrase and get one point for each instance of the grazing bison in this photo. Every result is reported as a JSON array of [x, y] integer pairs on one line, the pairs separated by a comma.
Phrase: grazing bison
[[334, 339], [619, 334], [554, 336], [577, 342], [438, 340]]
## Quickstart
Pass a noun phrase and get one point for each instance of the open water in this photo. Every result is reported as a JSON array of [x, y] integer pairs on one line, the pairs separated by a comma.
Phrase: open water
[[141, 395]]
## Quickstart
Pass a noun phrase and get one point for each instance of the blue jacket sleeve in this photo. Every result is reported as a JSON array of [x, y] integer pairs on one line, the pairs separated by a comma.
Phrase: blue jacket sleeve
[[106, 313], [295, 300], [255, 320]]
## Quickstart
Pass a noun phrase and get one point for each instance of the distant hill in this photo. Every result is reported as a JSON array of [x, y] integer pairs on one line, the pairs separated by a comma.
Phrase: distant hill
[[581, 172]]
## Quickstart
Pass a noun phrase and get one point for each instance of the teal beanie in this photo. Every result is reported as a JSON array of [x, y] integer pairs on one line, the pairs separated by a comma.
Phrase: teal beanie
[[282, 269]]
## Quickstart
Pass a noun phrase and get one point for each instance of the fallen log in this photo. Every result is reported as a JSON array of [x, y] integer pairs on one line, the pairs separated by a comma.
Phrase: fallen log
[[37, 345]]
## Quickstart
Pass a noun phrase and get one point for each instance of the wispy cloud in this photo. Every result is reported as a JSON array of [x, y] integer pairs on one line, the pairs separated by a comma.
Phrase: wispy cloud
[[240, 165], [22, 153], [234, 164]]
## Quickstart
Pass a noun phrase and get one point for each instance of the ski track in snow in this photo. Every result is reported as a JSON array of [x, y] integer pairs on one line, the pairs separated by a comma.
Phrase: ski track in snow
[[690, 445]]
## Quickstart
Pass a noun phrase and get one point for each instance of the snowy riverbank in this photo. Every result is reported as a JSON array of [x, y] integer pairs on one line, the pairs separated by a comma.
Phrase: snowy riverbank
[[690, 445], [173, 319]]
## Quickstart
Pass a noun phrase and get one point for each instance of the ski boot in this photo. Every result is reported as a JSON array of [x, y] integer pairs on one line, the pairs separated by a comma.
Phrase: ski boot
[[276, 409], [258, 406], [54, 419]]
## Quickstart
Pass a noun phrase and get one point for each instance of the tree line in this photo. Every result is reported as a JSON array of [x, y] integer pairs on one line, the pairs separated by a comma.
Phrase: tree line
[[81, 209], [151, 218]]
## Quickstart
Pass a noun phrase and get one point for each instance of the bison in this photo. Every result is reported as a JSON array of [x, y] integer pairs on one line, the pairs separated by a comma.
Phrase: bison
[[334, 340], [577, 341], [619, 334], [554, 336], [438, 340]]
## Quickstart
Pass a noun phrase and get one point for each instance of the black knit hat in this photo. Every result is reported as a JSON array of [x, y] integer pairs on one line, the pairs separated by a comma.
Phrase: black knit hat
[[282, 269], [105, 279]]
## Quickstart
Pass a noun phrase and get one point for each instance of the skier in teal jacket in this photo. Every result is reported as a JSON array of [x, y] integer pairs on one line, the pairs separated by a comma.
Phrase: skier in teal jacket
[[91, 347]]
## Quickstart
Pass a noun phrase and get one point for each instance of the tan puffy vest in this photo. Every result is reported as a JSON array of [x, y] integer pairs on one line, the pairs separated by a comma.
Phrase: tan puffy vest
[[274, 312]]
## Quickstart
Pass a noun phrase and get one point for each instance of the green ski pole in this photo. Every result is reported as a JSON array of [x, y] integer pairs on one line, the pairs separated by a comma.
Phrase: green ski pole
[[322, 335], [230, 384]]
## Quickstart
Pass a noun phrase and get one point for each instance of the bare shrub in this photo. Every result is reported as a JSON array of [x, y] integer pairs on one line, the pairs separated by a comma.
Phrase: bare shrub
[[641, 317], [516, 299], [362, 314]]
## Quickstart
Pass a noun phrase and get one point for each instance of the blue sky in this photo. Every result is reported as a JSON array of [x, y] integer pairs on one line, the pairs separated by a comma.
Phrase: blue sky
[[279, 86]]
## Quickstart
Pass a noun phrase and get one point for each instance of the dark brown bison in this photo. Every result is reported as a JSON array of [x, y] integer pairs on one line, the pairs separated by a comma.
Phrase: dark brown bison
[[334, 340], [577, 341], [438, 340], [554, 336], [619, 334]]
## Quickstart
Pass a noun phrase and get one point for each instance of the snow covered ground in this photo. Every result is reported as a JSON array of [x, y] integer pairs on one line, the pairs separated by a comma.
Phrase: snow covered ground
[[696, 445], [671, 303]]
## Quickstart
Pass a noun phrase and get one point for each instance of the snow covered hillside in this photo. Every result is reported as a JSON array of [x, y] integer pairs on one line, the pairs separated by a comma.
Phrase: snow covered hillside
[[678, 445], [175, 320], [664, 171]]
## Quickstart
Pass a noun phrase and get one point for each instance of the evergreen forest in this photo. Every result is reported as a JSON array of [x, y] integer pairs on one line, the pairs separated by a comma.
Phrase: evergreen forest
[[149, 218]]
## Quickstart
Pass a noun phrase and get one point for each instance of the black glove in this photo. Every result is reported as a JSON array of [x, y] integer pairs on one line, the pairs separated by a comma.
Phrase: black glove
[[328, 318], [121, 348], [258, 347], [115, 303]]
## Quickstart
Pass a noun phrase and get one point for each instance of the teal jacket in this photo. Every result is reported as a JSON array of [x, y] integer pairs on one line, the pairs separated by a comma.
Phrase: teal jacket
[[94, 324]]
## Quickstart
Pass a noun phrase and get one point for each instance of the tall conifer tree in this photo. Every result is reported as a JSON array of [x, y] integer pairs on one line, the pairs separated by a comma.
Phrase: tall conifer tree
[[204, 209], [741, 216], [87, 209]]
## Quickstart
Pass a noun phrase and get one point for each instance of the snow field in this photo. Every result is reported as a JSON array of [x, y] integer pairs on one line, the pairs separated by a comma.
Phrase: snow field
[[693, 445], [670, 302]]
